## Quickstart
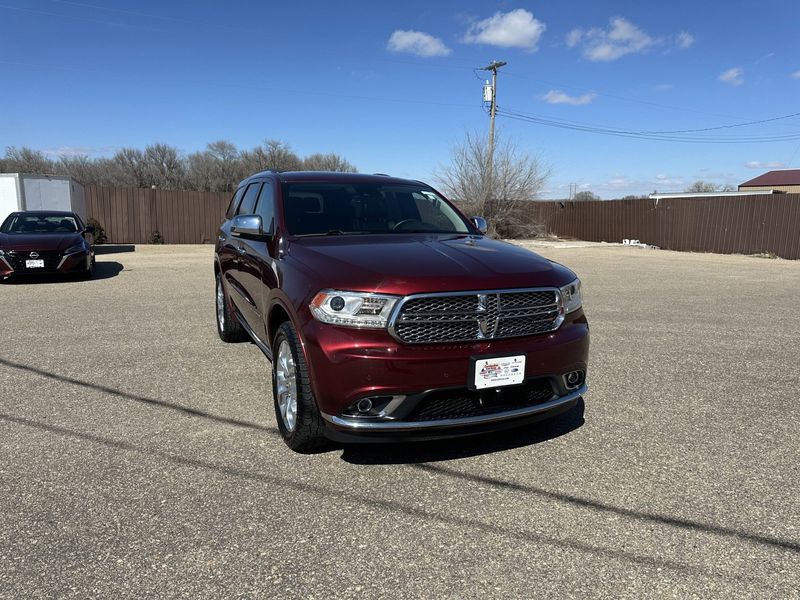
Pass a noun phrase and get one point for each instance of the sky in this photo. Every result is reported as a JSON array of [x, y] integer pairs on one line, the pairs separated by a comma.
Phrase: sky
[[392, 86]]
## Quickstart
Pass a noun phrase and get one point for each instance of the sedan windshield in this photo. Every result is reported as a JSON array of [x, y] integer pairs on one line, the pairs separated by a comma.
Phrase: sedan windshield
[[39, 224], [347, 209]]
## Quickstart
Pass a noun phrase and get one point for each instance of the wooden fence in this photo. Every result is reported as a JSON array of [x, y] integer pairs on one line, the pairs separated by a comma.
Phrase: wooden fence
[[132, 216], [768, 223], [725, 224]]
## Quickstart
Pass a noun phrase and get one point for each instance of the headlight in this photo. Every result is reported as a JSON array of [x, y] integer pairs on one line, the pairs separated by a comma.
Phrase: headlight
[[571, 296], [352, 309], [79, 247]]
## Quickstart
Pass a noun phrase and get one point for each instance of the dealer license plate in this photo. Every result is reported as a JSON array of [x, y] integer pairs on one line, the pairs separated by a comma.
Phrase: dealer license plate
[[34, 264], [498, 372]]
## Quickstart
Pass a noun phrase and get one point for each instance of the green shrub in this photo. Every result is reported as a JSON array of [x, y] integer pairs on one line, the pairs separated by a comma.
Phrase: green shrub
[[156, 237]]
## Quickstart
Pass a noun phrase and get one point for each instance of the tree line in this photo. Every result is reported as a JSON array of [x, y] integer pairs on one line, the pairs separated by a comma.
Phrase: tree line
[[218, 168]]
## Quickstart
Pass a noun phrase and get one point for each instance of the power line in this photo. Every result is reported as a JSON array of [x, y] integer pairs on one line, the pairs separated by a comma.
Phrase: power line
[[630, 133]]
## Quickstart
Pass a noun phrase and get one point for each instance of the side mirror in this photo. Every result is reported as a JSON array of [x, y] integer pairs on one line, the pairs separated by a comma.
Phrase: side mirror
[[480, 224], [249, 226]]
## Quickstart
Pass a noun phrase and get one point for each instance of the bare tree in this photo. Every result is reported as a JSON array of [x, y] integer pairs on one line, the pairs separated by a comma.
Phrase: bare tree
[[273, 155], [586, 196], [517, 179], [701, 186], [164, 167], [132, 168], [26, 160], [327, 162], [217, 168]]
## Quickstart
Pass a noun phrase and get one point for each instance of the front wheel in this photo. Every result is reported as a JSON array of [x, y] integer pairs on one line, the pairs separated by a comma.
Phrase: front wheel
[[296, 410]]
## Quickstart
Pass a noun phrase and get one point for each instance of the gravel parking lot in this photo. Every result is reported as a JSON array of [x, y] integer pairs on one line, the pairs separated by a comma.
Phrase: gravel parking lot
[[139, 454]]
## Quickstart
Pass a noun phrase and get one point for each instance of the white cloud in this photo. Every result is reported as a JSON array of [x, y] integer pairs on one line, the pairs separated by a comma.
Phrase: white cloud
[[795, 75], [559, 97], [76, 151], [417, 42], [622, 37], [514, 29], [664, 87], [734, 76], [757, 164], [573, 37], [684, 40]]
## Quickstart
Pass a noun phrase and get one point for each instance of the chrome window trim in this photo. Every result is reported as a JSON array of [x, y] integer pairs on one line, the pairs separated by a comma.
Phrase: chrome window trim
[[395, 314], [368, 425]]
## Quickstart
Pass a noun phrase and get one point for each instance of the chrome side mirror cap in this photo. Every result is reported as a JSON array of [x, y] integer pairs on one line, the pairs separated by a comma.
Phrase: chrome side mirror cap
[[480, 224], [249, 226]]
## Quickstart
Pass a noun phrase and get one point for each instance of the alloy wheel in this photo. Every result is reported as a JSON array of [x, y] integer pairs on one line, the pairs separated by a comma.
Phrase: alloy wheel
[[286, 385]]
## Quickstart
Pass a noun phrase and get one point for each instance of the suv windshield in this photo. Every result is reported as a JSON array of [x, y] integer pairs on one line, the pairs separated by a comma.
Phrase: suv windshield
[[39, 224], [356, 208]]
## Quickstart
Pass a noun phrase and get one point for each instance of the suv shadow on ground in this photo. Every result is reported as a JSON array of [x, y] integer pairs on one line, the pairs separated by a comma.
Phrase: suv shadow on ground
[[463, 447]]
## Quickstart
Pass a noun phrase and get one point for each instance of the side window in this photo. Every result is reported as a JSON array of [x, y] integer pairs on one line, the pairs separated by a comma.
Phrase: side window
[[266, 206], [234, 203], [248, 204]]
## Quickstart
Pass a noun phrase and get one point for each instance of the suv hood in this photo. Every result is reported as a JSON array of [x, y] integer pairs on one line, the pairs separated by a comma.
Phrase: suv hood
[[47, 242], [413, 263]]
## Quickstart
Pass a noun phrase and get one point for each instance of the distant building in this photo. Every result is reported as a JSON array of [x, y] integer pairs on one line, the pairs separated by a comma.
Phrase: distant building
[[784, 180]]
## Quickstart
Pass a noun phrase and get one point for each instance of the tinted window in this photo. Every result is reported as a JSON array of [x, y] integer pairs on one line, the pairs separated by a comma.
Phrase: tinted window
[[343, 208], [234, 203], [248, 204], [266, 206]]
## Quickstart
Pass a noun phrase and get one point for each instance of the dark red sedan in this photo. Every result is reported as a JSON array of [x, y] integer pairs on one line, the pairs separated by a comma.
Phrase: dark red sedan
[[45, 242]]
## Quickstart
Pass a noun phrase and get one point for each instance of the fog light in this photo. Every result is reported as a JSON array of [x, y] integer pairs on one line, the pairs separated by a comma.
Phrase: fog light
[[364, 405], [574, 379]]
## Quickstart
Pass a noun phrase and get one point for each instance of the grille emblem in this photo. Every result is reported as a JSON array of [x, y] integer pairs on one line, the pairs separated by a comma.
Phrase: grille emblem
[[34, 255]]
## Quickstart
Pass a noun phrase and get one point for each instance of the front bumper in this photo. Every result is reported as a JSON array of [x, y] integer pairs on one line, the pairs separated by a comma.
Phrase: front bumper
[[347, 365], [345, 429], [54, 263]]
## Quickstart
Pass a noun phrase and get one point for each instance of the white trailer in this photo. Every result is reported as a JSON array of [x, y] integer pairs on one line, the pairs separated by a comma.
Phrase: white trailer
[[40, 192]]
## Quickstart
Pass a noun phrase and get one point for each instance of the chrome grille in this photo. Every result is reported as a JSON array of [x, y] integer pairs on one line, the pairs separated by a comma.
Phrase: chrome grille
[[475, 316], [17, 258]]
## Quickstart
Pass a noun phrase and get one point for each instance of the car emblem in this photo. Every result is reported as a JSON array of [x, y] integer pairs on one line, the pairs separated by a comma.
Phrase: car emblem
[[481, 302], [34, 255]]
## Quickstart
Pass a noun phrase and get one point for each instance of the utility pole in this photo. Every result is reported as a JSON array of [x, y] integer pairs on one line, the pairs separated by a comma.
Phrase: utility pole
[[493, 66]]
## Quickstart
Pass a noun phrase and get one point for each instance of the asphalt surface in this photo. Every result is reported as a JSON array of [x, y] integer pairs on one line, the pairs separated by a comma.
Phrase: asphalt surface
[[139, 455]]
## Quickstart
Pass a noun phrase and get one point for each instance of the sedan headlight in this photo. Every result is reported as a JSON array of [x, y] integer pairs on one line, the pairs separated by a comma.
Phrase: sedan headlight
[[79, 247], [352, 309], [571, 296]]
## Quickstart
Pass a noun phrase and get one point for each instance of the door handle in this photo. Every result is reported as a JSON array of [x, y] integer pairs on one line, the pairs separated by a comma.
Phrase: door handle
[[241, 250]]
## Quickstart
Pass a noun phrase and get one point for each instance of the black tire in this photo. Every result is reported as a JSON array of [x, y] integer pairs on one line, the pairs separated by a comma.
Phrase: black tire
[[229, 328], [308, 433]]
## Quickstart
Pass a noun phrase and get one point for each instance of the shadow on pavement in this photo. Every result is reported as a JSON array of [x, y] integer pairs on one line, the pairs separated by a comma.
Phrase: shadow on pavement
[[194, 412], [114, 248], [416, 510], [440, 450], [102, 270]]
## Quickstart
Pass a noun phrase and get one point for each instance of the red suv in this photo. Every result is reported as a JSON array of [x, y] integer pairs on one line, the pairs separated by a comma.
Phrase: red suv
[[387, 314]]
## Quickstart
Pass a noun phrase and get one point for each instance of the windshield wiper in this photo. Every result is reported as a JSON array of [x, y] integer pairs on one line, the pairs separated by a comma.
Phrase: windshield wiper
[[333, 232]]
